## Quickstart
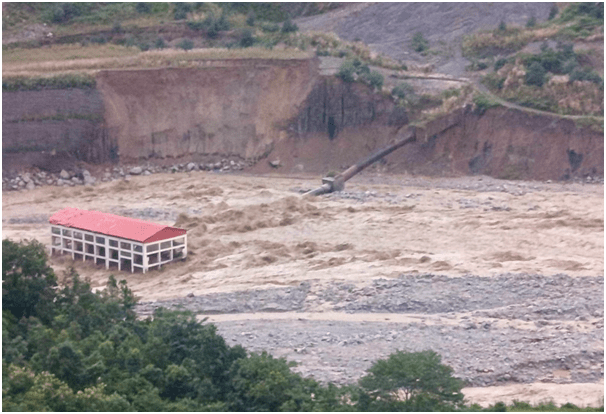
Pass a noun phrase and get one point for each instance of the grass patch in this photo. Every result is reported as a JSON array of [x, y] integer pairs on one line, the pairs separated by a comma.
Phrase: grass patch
[[149, 59], [69, 81], [594, 123], [60, 117], [58, 52], [482, 103]]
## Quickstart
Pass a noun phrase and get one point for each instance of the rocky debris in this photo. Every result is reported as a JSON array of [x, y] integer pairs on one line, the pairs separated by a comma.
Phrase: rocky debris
[[31, 179], [274, 163], [266, 300], [566, 334], [508, 296]]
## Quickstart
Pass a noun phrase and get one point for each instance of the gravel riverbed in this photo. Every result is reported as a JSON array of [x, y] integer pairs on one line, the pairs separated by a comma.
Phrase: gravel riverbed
[[512, 328]]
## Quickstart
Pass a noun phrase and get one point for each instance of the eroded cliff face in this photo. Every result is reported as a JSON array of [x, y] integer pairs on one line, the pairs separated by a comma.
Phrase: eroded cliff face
[[279, 110], [503, 143], [235, 109]]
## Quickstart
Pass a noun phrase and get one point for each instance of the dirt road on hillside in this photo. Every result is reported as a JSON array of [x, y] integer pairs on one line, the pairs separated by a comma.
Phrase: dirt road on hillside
[[503, 278]]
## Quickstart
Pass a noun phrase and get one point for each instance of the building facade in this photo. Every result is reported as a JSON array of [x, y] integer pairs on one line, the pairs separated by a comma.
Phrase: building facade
[[117, 242]]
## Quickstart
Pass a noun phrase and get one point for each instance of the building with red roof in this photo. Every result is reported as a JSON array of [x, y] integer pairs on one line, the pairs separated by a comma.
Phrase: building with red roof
[[115, 241]]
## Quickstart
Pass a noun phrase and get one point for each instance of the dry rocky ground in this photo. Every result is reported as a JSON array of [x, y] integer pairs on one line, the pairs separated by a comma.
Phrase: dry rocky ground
[[503, 278]]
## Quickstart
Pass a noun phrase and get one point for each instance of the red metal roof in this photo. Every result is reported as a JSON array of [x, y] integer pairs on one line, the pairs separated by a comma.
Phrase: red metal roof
[[112, 225]]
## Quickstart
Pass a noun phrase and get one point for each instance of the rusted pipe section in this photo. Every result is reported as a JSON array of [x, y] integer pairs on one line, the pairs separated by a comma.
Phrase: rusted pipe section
[[337, 183]]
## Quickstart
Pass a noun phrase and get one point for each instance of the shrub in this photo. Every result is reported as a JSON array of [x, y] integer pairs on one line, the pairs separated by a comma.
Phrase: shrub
[[476, 65], [143, 8], [532, 21], [289, 27], [493, 81], [585, 75], [160, 44], [347, 71], [270, 27], [502, 26], [247, 39], [250, 19], [419, 43], [180, 10], [499, 63], [375, 79], [553, 12], [186, 44], [482, 103], [535, 75], [402, 90]]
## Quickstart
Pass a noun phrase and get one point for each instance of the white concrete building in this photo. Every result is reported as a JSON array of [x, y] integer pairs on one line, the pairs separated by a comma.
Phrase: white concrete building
[[117, 242]]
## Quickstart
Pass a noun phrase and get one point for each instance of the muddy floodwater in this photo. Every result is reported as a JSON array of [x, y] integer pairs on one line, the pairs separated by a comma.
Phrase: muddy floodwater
[[503, 278]]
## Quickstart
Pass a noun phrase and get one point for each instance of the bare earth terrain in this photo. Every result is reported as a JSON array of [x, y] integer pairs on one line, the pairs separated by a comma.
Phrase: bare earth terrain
[[503, 278]]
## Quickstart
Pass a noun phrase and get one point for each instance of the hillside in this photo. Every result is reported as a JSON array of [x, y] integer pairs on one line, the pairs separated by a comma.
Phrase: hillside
[[487, 228]]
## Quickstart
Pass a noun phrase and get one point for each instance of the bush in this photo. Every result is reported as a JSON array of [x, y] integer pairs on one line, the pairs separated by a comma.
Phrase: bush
[[535, 75], [160, 44], [289, 27], [585, 75], [347, 71], [499, 64], [532, 21], [493, 81], [250, 19], [143, 8], [375, 80], [247, 39], [402, 90], [482, 103], [553, 12], [419, 43], [270, 27], [502, 26], [180, 10], [186, 44]]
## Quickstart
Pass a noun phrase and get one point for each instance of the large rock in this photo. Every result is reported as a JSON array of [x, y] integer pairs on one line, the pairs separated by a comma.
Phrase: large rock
[[135, 171], [65, 175], [192, 166], [30, 185]]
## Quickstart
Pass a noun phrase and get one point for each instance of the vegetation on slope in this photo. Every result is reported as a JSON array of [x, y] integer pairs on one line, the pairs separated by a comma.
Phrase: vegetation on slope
[[561, 78]]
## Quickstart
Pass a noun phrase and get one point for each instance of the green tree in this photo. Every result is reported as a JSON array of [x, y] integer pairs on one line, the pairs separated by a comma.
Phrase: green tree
[[416, 380], [553, 12], [535, 74], [375, 79], [186, 44], [419, 43], [247, 39], [264, 383], [402, 90], [28, 283], [289, 27], [347, 71]]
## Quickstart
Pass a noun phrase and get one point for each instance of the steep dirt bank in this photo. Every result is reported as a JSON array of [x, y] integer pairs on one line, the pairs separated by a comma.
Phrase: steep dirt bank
[[232, 108], [503, 143], [279, 110]]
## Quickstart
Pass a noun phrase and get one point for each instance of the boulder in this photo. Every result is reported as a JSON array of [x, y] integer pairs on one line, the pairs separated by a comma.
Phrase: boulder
[[65, 175], [192, 166], [136, 171]]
